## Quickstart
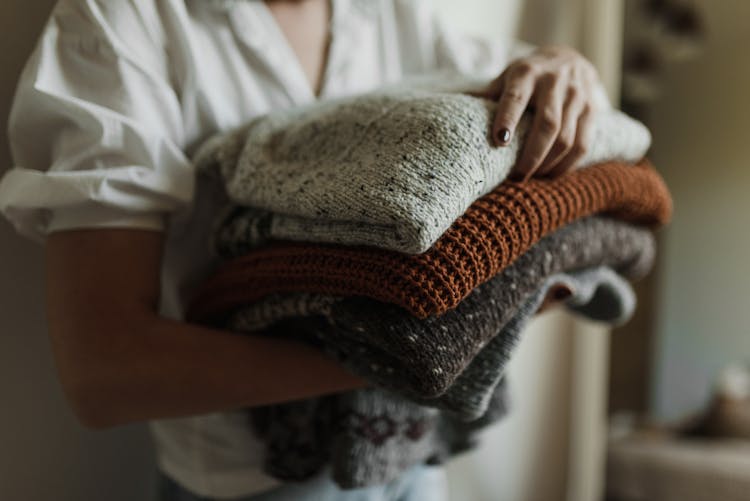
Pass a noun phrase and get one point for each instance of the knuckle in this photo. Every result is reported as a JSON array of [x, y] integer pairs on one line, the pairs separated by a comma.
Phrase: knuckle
[[566, 141], [575, 94], [523, 68], [579, 149], [514, 96], [548, 122], [548, 79]]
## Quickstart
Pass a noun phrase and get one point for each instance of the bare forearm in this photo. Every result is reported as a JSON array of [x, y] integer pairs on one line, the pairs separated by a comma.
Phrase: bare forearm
[[120, 362], [171, 369]]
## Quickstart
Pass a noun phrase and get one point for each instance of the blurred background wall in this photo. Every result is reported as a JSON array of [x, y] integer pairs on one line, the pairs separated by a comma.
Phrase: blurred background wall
[[44, 454], [701, 122]]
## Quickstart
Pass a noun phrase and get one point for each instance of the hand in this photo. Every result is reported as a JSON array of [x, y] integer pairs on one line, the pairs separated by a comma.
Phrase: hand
[[558, 84]]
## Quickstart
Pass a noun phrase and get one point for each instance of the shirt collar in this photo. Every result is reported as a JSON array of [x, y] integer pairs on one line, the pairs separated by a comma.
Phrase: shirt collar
[[256, 27]]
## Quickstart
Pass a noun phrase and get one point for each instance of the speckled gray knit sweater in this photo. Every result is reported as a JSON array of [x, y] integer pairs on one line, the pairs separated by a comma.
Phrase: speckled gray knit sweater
[[392, 169], [371, 436]]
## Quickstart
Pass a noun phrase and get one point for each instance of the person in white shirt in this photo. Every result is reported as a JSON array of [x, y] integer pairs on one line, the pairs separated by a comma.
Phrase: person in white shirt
[[113, 100]]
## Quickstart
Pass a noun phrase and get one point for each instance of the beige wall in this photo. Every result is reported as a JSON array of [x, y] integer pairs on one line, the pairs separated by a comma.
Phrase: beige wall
[[44, 454], [702, 129]]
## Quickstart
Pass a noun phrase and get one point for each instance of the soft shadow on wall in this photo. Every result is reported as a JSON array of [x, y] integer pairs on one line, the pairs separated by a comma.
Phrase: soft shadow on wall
[[46, 455]]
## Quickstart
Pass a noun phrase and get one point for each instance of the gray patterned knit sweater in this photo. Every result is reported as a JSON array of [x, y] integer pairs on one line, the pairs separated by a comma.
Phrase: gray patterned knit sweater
[[371, 436], [405, 163]]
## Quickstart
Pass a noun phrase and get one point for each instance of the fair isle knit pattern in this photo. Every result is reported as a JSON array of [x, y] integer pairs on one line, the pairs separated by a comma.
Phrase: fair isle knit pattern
[[422, 359], [371, 436], [392, 169], [494, 232], [368, 436]]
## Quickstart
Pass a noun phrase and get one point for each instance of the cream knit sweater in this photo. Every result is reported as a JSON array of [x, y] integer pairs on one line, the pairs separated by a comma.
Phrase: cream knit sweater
[[393, 169]]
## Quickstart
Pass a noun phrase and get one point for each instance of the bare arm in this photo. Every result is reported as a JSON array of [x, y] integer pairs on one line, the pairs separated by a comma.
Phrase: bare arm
[[119, 362]]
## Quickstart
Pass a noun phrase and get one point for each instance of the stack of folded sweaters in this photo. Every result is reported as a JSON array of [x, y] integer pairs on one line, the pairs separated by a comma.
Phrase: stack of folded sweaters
[[382, 230]]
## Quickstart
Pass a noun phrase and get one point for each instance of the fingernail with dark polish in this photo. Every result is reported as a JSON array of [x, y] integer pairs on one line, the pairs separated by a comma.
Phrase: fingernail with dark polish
[[503, 136]]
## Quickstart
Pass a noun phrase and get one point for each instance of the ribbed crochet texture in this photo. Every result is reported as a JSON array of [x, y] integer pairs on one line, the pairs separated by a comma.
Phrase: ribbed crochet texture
[[495, 230], [422, 358]]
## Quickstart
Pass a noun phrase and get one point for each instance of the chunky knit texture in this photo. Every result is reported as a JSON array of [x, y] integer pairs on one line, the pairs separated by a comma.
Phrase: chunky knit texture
[[371, 436], [368, 436], [422, 359], [599, 294], [495, 230], [390, 169]]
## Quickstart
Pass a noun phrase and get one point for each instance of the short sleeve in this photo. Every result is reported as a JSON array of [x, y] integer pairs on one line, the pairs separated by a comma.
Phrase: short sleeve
[[95, 131]]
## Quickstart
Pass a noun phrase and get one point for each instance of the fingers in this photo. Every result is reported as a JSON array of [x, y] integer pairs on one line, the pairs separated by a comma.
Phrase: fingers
[[493, 90], [584, 138], [556, 84], [545, 127], [574, 106], [515, 91]]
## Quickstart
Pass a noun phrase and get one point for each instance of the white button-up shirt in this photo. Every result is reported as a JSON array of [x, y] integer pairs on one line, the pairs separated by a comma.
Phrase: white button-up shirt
[[117, 94]]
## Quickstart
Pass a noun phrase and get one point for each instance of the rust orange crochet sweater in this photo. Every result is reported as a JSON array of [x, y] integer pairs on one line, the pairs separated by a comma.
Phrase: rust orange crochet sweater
[[493, 232]]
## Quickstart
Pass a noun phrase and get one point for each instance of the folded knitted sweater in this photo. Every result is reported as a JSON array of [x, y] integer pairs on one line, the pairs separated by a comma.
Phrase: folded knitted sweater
[[392, 169], [495, 230], [367, 436], [370, 436], [451, 361]]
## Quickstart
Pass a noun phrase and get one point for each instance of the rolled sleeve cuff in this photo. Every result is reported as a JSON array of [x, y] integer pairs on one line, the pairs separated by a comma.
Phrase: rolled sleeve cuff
[[98, 216], [41, 203], [38, 223]]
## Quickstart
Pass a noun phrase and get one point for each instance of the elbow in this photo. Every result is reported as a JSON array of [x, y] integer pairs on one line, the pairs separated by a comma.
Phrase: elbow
[[91, 404], [100, 384], [99, 373]]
